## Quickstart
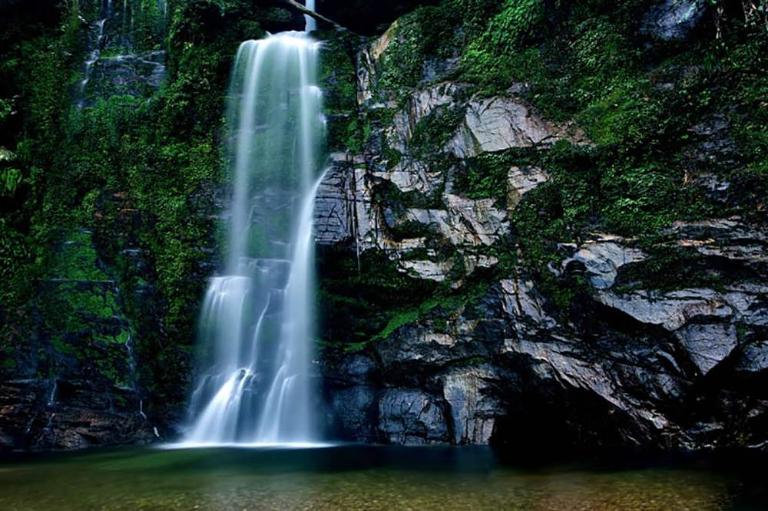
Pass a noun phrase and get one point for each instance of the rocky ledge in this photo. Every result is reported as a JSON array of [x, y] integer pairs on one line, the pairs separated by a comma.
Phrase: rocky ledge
[[629, 367]]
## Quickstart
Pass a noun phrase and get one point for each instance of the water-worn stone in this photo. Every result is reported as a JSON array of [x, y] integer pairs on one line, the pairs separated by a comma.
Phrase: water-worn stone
[[753, 358], [670, 310], [421, 104], [726, 238], [464, 221], [334, 205], [708, 344], [426, 269]]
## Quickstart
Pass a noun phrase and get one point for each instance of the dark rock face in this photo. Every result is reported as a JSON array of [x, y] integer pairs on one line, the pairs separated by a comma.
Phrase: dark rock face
[[657, 371], [73, 383], [68, 414], [673, 20]]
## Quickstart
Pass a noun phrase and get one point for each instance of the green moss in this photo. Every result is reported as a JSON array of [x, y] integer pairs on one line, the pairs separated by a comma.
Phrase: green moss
[[356, 302], [626, 116], [338, 72], [398, 320], [491, 59], [485, 176], [434, 130], [448, 301], [8, 363]]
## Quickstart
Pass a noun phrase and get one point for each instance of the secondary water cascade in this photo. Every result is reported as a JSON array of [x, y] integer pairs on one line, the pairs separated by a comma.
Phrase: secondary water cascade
[[256, 324]]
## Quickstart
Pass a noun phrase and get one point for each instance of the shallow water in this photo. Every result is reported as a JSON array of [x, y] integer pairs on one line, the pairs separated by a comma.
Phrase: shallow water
[[354, 477]]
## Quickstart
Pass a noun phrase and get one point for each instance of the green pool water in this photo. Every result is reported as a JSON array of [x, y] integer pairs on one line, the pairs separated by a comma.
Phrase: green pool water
[[358, 477]]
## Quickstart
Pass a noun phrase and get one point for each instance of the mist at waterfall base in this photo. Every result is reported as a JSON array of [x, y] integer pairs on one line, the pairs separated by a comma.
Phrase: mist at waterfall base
[[257, 321]]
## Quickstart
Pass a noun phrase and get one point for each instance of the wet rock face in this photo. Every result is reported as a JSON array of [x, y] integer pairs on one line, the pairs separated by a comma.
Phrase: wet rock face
[[673, 20], [68, 414], [74, 383], [73, 379]]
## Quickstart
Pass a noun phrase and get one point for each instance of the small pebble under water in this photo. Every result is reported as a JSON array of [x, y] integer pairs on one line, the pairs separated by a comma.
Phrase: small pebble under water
[[355, 478]]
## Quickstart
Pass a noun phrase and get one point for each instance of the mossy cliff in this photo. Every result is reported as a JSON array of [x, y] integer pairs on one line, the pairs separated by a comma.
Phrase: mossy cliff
[[545, 226], [539, 213]]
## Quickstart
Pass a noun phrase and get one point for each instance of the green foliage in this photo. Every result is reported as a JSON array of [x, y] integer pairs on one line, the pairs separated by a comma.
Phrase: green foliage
[[435, 130], [415, 37], [486, 176], [338, 78], [447, 301], [510, 28], [359, 298], [10, 178], [5, 109], [491, 58], [338, 72], [627, 115], [138, 172], [14, 258]]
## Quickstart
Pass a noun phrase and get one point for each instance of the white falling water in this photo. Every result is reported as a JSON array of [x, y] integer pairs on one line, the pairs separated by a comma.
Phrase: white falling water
[[256, 324], [311, 24], [96, 39]]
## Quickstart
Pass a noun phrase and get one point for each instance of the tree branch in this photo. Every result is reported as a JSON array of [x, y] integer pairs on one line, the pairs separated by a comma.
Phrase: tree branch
[[319, 17]]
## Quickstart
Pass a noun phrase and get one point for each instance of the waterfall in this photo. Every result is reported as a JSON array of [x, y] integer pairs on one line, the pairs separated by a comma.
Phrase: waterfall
[[95, 41], [256, 324], [310, 23]]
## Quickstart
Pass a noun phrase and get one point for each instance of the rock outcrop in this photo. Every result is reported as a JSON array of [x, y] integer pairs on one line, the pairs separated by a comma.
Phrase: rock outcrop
[[644, 368], [632, 363]]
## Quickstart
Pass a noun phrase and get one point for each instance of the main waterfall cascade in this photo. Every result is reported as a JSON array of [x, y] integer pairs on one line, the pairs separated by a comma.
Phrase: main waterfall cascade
[[256, 324]]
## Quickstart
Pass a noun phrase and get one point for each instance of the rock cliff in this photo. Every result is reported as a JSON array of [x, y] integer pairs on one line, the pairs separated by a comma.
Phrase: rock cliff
[[661, 343]]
